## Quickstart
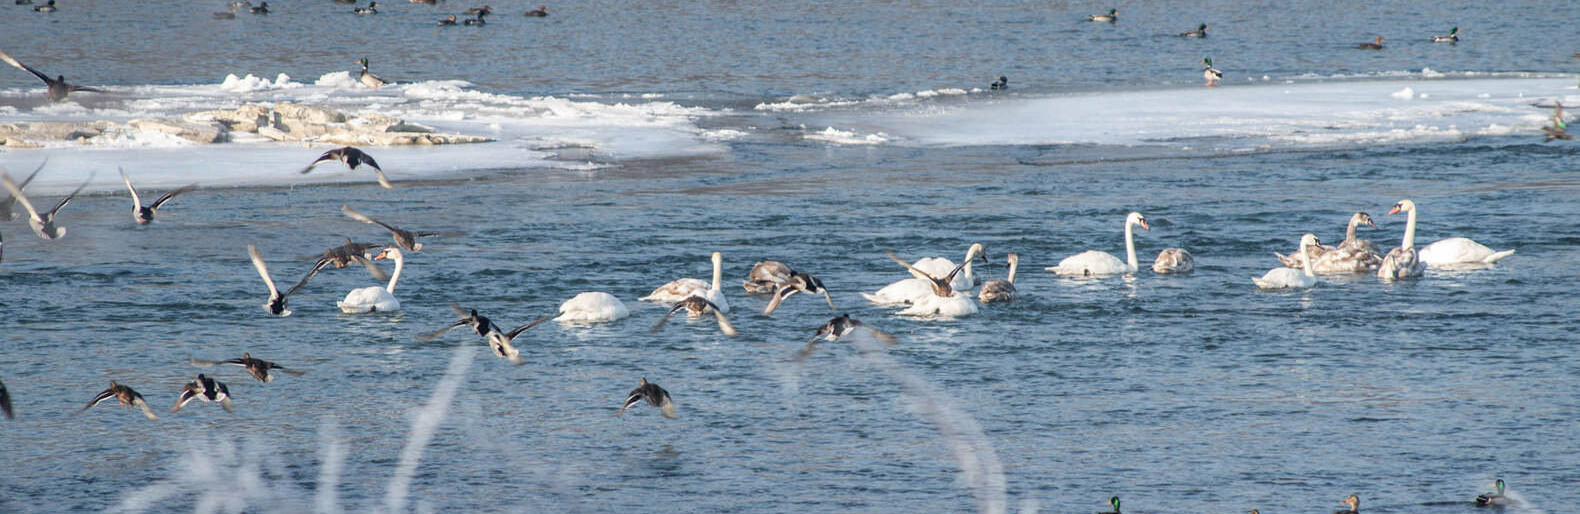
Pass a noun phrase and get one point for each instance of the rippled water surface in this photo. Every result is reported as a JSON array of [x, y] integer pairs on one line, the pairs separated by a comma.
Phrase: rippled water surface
[[1192, 393]]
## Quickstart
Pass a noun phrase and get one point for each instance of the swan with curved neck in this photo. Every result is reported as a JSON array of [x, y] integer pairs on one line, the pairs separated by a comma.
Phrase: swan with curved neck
[[1404, 261], [1001, 290], [1354, 255], [683, 288], [374, 298], [1286, 278], [1093, 263], [1294, 260]]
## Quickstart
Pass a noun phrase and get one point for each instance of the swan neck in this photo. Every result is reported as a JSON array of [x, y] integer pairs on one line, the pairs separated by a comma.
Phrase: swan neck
[[1012, 265], [1130, 246], [718, 274], [1409, 230], [1349, 233], [1305, 254], [400, 263]]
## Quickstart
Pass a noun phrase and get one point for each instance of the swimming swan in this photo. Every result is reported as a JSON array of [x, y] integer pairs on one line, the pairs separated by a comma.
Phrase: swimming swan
[[374, 298], [1094, 263]]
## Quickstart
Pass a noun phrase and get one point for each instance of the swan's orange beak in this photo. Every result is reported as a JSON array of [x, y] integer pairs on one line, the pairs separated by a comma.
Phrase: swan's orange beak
[[1144, 225], [1395, 209]]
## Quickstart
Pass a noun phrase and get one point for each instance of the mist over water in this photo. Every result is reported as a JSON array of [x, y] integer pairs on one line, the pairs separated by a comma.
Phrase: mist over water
[[632, 140]]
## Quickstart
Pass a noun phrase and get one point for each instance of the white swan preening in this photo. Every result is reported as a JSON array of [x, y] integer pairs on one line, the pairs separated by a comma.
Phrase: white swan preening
[[1290, 278], [1402, 262], [374, 298], [1093, 263], [910, 290], [1001, 290], [592, 306], [680, 289]]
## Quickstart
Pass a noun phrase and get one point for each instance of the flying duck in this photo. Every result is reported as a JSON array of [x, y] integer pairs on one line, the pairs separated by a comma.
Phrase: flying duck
[[58, 87], [352, 156], [1201, 31], [8, 205], [405, 239], [655, 396], [1452, 37], [205, 388], [696, 306], [276, 303], [840, 327], [258, 368], [43, 224], [126, 395], [145, 214], [798, 282], [344, 255]]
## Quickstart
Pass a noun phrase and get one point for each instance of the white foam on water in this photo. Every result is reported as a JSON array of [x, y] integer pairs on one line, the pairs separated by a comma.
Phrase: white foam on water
[[1224, 119], [527, 131]]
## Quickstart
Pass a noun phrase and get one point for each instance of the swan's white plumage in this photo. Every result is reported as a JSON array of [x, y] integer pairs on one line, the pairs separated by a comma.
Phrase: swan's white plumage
[[1459, 250], [593, 306], [957, 304], [374, 298], [1095, 263], [902, 292], [681, 289], [1290, 278], [909, 290]]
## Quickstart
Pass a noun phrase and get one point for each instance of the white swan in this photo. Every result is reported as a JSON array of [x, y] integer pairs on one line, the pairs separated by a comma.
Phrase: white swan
[[942, 299], [374, 298], [1459, 251], [1402, 262], [1001, 290], [683, 288], [592, 306], [1281, 277], [1095, 263], [909, 290]]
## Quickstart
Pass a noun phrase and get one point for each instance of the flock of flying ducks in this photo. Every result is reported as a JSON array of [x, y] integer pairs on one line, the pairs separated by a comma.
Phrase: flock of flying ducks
[[938, 287]]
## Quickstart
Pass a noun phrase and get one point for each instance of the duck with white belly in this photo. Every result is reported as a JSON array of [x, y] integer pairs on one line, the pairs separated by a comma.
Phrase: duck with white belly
[[1093, 263]]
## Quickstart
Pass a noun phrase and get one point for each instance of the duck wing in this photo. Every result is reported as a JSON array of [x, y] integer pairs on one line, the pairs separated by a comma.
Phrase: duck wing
[[518, 330], [16, 193], [12, 61], [137, 200], [172, 194]]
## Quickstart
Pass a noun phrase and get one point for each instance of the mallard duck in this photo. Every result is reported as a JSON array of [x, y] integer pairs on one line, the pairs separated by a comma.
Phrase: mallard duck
[[144, 214], [24, 2], [5, 402], [352, 157], [1113, 15], [653, 394], [258, 368], [1001, 84], [1201, 31], [345, 255], [498, 340], [1355, 505], [1376, 44], [367, 78], [276, 303], [476, 21], [126, 395], [448, 20], [372, 8], [1113, 502], [798, 282], [50, 7], [540, 12], [205, 388], [58, 87], [1493, 499], [696, 306], [1210, 73], [480, 10], [405, 239], [1558, 129], [840, 327], [1452, 37], [262, 8]]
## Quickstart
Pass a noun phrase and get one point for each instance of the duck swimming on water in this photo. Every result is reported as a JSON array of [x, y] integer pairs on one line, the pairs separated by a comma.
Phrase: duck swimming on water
[[1111, 16], [1376, 44], [999, 85], [49, 7], [1201, 31], [540, 12], [653, 395], [1112, 502], [448, 20], [1493, 499], [58, 87], [1452, 37], [372, 8], [1355, 505], [1558, 130], [144, 214]]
